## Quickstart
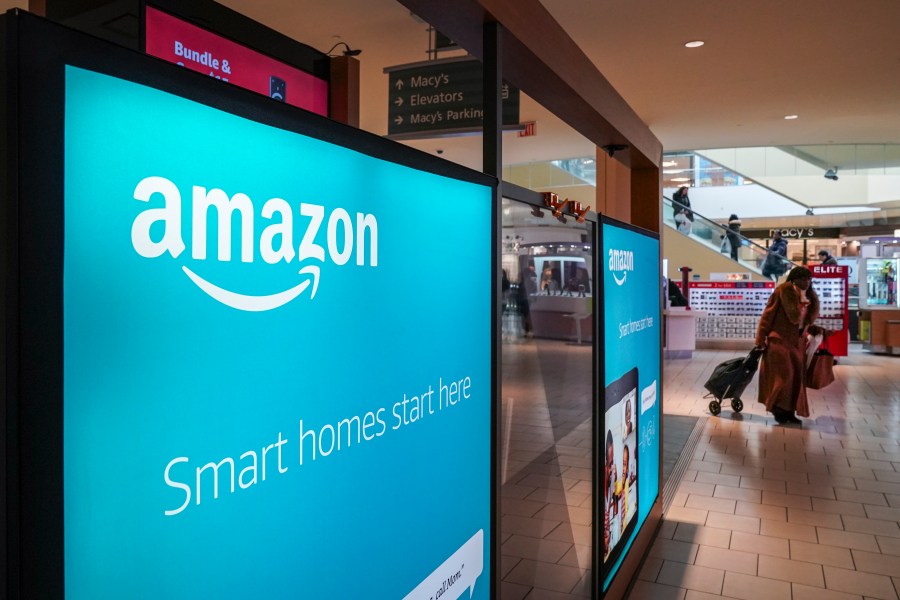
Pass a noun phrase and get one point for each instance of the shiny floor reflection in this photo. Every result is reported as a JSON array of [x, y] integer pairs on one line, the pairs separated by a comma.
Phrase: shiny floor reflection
[[546, 469], [785, 511]]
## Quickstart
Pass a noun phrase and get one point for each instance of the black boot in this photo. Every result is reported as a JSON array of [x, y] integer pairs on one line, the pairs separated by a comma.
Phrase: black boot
[[781, 416], [792, 418]]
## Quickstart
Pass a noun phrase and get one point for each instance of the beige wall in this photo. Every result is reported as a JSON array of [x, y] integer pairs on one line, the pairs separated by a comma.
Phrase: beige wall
[[682, 251]]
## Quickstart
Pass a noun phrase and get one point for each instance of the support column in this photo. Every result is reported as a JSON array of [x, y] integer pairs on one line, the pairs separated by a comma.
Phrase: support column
[[493, 165], [646, 198], [631, 194], [613, 187], [493, 109]]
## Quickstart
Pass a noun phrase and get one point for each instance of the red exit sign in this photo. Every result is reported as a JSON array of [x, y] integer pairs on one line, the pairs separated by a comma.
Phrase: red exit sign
[[529, 130]]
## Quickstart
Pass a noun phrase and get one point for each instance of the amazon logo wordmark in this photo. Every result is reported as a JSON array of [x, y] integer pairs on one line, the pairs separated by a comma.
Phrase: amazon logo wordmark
[[620, 263], [340, 239]]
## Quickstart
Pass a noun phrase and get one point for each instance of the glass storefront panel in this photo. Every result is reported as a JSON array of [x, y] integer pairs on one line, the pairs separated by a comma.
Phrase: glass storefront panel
[[547, 377]]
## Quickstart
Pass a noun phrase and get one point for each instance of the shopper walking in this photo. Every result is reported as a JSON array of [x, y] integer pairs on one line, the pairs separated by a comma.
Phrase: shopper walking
[[528, 287], [788, 317], [676, 296], [684, 217]]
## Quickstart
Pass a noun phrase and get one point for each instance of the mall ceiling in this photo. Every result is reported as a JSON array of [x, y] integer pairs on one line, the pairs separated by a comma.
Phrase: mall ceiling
[[835, 64]]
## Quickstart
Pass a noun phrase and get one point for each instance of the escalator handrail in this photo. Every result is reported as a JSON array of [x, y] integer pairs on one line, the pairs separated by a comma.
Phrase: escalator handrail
[[744, 240]]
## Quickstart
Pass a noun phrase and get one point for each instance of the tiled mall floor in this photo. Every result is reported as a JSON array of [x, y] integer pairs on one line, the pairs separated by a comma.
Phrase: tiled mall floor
[[786, 512], [762, 511]]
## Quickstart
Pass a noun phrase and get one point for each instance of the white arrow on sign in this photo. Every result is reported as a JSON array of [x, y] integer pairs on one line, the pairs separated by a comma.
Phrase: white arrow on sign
[[399, 84], [398, 120], [399, 101]]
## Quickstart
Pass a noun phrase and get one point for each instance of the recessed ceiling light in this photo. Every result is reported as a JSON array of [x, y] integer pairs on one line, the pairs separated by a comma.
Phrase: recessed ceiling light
[[790, 117], [669, 163], [679, 179], [694, 44]]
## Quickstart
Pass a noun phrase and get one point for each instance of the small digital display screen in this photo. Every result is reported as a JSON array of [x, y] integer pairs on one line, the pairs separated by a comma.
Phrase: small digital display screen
[[620, 464], [197, 49]]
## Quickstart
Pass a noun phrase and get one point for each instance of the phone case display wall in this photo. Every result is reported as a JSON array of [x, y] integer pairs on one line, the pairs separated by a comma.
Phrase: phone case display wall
[[732, 308], [881, 282], [830, 285]]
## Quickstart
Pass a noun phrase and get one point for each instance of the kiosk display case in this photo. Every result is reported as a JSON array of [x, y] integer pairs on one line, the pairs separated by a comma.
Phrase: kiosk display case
[[879, 317], [880, 287], [557, 280]]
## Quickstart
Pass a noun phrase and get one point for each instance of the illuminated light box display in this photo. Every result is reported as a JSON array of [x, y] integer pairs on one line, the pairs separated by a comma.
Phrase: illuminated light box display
[[627, 411], [260, 393], [197, 49], [277, 398]]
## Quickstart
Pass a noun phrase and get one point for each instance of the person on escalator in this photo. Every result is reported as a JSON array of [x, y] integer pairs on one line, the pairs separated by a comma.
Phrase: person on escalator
[[734, 235], [776, 260], [826, 258], [684, 218]]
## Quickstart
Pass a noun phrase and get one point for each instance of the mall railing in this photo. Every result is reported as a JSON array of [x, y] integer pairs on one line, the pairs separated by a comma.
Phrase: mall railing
[[711, 234]]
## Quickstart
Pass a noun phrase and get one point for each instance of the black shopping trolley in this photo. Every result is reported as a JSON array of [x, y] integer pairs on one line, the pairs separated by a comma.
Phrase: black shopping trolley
[[729, 379]]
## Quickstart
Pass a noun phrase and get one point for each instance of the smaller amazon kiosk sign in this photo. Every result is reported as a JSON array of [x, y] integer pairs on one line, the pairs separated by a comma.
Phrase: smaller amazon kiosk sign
[[265, 395], [629, 439]]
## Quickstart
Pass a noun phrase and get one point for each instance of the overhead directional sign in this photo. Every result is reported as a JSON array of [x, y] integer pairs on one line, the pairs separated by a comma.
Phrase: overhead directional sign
[[442, 96]]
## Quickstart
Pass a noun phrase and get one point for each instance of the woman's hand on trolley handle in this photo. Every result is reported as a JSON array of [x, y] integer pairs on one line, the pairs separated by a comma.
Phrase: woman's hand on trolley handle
[[817, 330]]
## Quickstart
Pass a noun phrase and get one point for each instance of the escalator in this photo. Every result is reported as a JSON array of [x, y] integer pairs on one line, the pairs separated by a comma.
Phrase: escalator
[[710, 235]]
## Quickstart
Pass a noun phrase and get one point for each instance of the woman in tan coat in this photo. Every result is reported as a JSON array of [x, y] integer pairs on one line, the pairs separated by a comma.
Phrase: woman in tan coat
[[788, 317]]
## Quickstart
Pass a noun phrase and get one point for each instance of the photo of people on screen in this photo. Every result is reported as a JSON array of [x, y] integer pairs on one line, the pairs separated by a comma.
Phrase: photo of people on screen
[[629, 424], [611, 522], [620, 484]]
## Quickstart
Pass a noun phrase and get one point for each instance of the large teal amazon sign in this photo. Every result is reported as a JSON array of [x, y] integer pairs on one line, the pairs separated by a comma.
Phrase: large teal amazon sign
[[271, 386]]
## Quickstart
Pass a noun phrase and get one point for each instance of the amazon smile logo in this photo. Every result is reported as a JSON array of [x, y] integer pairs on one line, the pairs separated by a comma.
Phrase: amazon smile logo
[[344, 238], [621, 262]]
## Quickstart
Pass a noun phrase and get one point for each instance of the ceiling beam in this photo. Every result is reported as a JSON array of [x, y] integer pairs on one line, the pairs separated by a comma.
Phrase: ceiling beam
[[542, 60]]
